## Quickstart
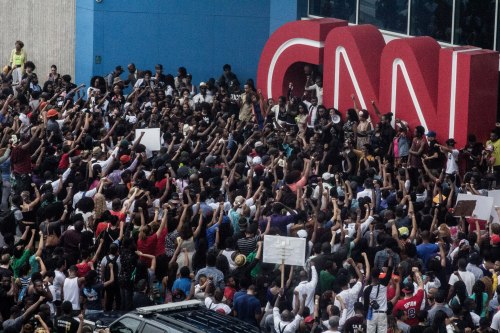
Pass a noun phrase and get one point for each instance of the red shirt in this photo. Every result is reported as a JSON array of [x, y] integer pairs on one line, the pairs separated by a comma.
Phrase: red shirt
[[160, 243], [121, 216], [411, 306], [101, 227], [83, 268], [160, 185], [64, 162], [21, 160], [147, 246]]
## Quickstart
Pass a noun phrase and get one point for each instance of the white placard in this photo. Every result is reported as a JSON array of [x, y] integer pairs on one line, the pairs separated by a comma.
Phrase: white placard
[[484, 205], [151, 138], [287, 250], [495, 194]]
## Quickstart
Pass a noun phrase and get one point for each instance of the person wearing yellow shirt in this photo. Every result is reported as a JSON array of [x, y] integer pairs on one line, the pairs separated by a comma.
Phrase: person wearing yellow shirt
[[18, 56], [495, 143]]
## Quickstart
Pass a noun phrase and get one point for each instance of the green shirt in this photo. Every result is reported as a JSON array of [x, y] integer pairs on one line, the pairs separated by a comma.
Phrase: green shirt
[[18, 262], [326, 280], [256, 270]]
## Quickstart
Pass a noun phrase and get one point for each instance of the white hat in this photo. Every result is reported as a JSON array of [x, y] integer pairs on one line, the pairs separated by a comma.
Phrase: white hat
[[238, 201], [257, 160], [203, 84], [258, 144], [302, 233], [327, 176]]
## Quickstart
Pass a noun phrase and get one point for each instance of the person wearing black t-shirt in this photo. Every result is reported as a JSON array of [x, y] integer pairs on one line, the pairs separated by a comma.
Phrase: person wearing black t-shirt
[[356, 324], [433, 157], [66, 323], [422, 322]]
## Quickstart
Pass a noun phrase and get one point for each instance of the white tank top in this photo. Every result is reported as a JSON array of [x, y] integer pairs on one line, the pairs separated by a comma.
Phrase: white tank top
[[72, 292]]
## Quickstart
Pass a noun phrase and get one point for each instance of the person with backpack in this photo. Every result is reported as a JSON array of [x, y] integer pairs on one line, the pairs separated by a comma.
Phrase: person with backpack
[[11, 219], [128, 262], [92, 290], [111, 262]]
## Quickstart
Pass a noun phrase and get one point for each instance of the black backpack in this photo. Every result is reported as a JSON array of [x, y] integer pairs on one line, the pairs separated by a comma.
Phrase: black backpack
[[126, 270], [8, 222], [107, 273]]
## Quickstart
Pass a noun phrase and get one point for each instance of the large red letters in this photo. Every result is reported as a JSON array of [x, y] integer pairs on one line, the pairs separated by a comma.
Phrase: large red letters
[[452, 91]]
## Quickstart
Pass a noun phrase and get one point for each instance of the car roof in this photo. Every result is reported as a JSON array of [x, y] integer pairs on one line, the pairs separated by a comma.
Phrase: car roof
[[192, 316]]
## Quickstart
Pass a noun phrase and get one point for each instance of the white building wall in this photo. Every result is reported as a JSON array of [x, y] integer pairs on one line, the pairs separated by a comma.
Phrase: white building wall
[[47, 29]]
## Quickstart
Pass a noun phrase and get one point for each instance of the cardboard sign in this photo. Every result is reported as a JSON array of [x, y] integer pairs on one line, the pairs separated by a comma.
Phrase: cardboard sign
[[465, 208], [151, 138], [284, 250], [477, 206], [495, 212]]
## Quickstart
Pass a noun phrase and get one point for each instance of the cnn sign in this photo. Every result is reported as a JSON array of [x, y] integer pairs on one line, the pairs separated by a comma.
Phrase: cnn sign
[[452, 91]]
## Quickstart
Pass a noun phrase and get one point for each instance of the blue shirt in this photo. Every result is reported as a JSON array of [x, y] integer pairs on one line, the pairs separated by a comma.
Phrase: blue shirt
[[247, 307], [279, 222], [426, 251], [211, 232], [183, 284]]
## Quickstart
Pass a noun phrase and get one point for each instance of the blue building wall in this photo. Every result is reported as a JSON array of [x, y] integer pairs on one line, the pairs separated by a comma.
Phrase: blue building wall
[[199, 35]]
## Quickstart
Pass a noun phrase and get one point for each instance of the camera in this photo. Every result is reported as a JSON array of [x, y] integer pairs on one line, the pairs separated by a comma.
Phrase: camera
[[374, 304]]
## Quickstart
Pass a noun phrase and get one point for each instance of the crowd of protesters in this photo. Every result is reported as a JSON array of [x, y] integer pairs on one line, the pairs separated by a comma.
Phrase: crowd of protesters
[[94, 221]]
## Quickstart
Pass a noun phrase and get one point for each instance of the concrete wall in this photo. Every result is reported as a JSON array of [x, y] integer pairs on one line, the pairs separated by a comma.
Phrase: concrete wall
[[199, 35], [47, 28]]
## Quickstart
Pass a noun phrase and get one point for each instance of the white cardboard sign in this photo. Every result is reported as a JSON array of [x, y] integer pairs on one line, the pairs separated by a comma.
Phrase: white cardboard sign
[[151, 138], [495, 194], [284, 250], [484, 205]]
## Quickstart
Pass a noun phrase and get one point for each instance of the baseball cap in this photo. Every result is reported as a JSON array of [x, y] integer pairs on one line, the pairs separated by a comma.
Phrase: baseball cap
[[258, 144], [432, 134], [408, 288], [450, 142], [203, 84], [124, 159], [52, 113], [495, 239], [404, 232]]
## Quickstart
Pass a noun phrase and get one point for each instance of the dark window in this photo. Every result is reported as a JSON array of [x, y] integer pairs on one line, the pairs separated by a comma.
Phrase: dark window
[[475, 23], [125, 325], [153, 329], [431, 18], [390, 15], [341, 9]]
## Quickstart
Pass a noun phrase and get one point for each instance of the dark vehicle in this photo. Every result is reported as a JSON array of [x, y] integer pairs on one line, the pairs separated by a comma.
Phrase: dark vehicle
[[180, 317]]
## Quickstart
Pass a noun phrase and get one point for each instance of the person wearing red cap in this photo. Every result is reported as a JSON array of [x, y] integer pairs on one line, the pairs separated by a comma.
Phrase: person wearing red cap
[[53, 129], [410, 304], [124, 159]]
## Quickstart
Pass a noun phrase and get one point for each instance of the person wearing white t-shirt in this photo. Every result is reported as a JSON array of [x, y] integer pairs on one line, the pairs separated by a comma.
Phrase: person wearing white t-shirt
[[452, 156], [288, 322], [216, 304], [495, 322], [462, 275], [333, 322], [350, 295]]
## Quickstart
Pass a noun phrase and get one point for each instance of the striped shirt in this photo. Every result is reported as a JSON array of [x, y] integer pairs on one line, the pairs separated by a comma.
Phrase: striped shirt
[[248, 244]]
